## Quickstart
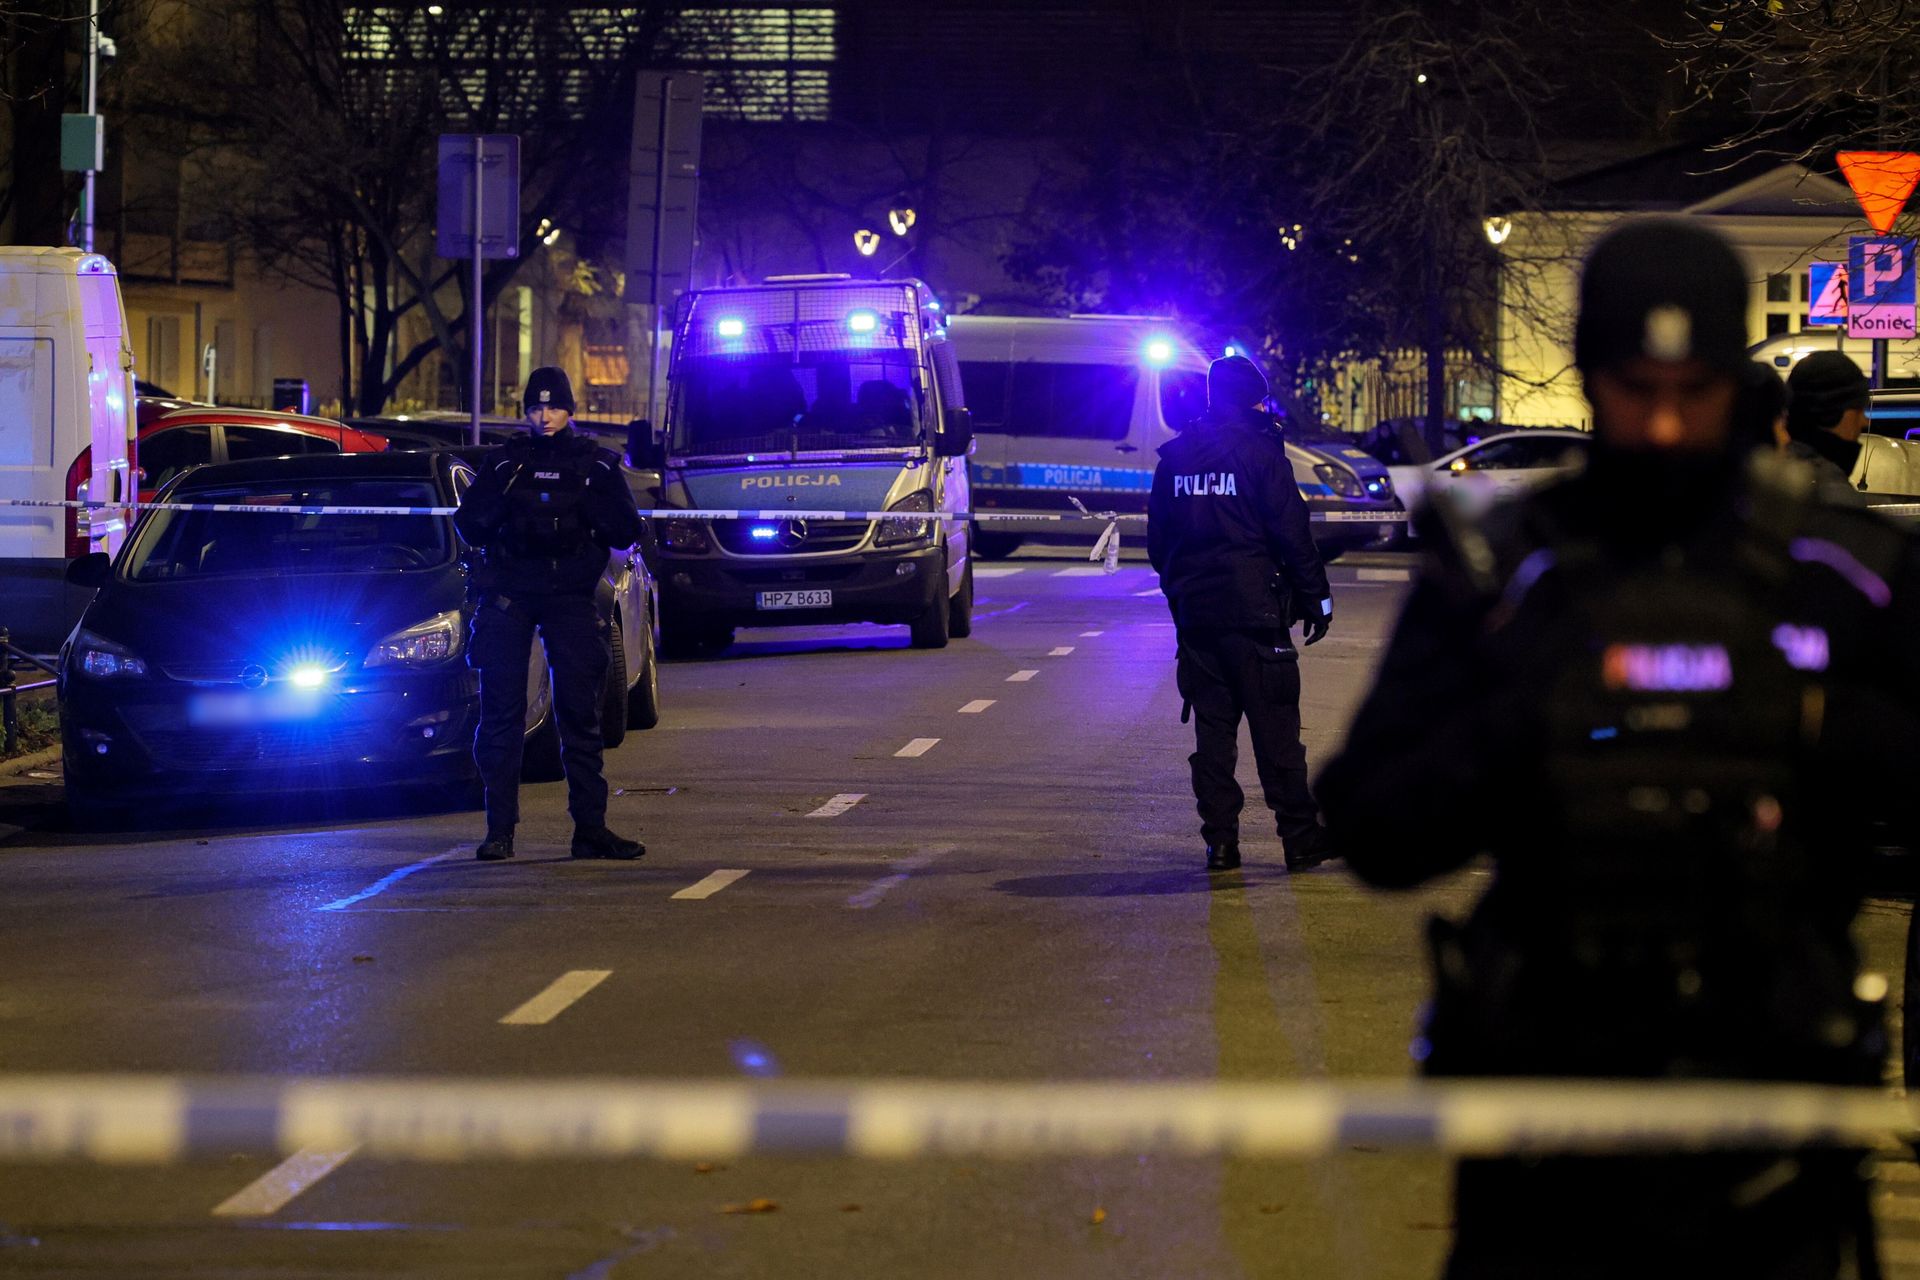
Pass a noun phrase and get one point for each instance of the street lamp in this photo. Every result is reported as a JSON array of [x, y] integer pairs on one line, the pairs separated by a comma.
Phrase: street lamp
[[867, 242], [1497, 229], [901, 220]]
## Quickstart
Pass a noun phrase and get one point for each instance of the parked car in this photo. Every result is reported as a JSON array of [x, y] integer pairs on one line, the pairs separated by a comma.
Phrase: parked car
[[1499, 466], [243, 652]]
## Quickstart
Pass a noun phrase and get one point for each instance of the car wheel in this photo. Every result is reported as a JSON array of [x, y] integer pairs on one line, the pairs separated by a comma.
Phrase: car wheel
[[960, 612], [932, 627], [613, 698], [643, 700], [995, 546], [540, 760]]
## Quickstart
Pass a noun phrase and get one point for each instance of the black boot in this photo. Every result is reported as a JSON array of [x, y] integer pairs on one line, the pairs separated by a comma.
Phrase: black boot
[[598, 842], [1224, 856], [1309, 849], [497, 847]]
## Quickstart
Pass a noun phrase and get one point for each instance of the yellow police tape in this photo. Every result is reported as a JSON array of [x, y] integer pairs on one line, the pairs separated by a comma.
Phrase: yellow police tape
[[136, 1119]]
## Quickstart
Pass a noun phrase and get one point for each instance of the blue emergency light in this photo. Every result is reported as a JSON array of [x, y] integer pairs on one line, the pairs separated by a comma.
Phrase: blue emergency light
[[1159, 351], [862, 321], [731, 327], [764, 532]]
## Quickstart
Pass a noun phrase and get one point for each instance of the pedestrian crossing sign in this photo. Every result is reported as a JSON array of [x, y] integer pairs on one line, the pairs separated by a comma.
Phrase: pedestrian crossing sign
[[1827, 284]]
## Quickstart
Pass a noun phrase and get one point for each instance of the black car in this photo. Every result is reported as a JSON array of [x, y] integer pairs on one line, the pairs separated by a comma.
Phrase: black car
[[253, 652]]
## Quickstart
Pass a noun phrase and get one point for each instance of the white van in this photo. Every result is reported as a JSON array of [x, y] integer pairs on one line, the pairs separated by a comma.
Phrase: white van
[[1078, 407], [66, 383]]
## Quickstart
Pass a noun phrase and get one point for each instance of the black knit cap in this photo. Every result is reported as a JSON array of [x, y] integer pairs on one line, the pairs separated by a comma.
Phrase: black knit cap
[[1235, 382], [547, 388], [1822, 387], [1665, 288]]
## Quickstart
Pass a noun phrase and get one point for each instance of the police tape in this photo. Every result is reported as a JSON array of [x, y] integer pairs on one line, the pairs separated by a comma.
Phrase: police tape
[[685, 513], [134, 1119]]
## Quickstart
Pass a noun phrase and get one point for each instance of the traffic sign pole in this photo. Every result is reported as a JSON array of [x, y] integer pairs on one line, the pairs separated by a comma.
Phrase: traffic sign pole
[[473, 302]]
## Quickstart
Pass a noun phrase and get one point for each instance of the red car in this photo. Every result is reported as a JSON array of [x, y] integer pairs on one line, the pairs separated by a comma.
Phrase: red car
[[174, 435]]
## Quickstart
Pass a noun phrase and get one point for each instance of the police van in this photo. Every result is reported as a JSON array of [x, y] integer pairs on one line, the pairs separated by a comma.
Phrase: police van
[[813, 393], [1078, 407], [66, 385]]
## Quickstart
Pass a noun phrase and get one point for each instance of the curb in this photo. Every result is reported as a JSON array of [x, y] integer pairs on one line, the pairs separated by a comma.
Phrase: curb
[[32, 760]]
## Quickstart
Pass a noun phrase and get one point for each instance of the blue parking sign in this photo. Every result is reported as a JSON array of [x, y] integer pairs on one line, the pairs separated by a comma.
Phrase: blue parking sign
[[1880, 287]]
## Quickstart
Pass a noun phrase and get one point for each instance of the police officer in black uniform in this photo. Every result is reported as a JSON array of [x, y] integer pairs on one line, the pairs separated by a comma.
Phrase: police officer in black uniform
[[545, 508], [1661, 695], [1229, 535]]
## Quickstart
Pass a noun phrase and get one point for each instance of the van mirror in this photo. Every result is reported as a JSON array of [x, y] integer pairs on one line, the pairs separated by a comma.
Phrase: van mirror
[[643, 451], [91, 570], [958, 436]]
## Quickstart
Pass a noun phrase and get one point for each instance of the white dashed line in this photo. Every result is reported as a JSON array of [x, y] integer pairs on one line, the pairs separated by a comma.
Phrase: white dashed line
[[1021, 677], [710, 884], [1384, 575], [918, 747], [902, 872], [975, 707], [1060, 652], [1085, 634], [387, 881], [560, 993], [1080, 571], [268, 1193], [997, 570], [1151, 591], [839, 804]]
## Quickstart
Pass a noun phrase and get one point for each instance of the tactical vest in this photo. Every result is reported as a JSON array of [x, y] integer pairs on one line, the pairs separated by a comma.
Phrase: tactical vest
[[546, 503]]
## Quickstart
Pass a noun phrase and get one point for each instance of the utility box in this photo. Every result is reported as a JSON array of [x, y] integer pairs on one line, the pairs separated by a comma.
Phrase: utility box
[[83, 144]]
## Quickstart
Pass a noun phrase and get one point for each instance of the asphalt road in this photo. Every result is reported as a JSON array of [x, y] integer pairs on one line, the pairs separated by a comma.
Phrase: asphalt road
[[1021, 898]]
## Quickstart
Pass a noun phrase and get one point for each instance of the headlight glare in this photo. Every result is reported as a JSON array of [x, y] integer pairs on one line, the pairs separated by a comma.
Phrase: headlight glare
[[435, 640], [1343, 482], [686, 536]]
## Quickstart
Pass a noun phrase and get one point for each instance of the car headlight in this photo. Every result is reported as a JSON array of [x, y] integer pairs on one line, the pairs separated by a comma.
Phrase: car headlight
[[1343, 482], [688, 537], [435, 640], [102, 659], [893, 533], [1380, 488]]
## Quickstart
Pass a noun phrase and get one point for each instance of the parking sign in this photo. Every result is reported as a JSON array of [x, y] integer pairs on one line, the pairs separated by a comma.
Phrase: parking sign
[[1880, 287]]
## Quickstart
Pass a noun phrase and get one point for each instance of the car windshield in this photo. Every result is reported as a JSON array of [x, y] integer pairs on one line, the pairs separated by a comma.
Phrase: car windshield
[[823, 401], [171, 545]]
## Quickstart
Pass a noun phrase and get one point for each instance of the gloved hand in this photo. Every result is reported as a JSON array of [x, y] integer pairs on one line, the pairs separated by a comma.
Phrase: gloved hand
[[1317, 621]]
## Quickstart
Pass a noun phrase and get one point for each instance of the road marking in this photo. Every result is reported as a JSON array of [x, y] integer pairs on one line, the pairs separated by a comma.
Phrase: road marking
[[710, 884], [902, 872], [998, 570], [975, 707], [560, 993], [1080, 571], [1151, 591], [1085, 634], [1060, 652], [839, 804], [1021, 677], [1896, 1208], [918, 747], [1384, 575], [388, 880], [269, 1192]]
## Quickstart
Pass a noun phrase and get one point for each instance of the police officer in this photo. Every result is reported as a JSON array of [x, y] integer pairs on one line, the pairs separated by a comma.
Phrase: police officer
[[1827, 399], [545, 508], [1228, 533], [1650, 693]]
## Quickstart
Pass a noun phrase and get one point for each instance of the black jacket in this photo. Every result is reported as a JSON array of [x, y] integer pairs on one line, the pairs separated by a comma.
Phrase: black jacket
[[1670, 748], [522, 482], [1228, 531]]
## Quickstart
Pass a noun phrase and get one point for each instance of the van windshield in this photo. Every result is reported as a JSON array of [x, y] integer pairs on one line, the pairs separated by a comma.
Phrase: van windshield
[[823, 401], [171, 545]]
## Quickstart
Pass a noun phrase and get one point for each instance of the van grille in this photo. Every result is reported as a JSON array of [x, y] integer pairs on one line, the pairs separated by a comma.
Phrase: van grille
[[814, 536]]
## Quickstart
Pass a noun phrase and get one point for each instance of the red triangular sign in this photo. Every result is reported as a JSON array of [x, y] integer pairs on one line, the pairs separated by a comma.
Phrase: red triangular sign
[[1881, 181]]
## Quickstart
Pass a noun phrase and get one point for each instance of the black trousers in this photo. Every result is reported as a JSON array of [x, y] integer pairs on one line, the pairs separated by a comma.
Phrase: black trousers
[[1228, 675], [575, 636]]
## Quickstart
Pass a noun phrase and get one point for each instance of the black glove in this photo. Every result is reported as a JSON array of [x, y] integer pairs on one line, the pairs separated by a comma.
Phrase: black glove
[[1317, 621]]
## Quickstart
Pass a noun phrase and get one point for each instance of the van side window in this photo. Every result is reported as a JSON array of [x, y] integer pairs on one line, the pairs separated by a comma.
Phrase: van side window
[[1070, 401], [165, 454]]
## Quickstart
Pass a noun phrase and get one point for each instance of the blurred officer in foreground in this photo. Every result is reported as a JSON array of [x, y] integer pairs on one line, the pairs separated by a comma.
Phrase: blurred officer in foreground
[[546, 507], [1229, 535], [1827, 398], [1651, 693]]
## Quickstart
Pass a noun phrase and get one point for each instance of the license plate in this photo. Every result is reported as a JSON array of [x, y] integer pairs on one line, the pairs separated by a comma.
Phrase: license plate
[[796, 600], [216, 709]]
